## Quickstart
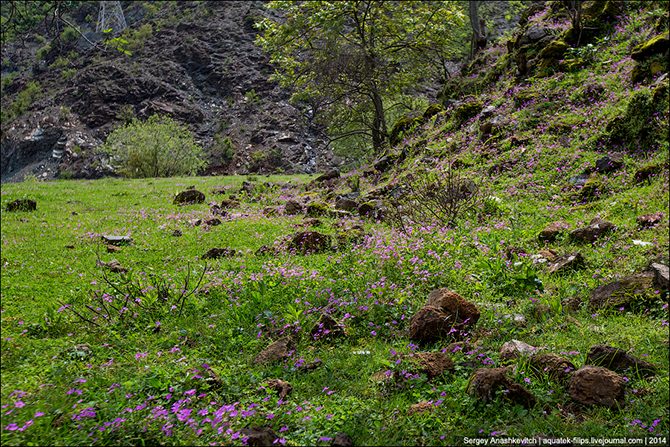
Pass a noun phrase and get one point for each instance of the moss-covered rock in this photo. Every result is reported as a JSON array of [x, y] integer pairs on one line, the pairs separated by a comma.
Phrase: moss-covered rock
[[317, 209], [635, 128], [555, 50], [656, 45], [468, 109], [592, 189], [402, 126], [432, 110]]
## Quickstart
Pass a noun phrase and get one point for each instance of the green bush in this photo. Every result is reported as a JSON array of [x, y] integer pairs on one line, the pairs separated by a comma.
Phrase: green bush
[[157, 147], [23, 100]]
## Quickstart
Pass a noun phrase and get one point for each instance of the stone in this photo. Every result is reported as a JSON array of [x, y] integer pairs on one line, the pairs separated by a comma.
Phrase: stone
[[647, 173], [21, 205], [177, 233], [312, 222], [430, 324], [196, 222], [216, 253], [311, 366], [370, 210], [306, 242], [213, 222], [551, 231], [452, 303], [661, 275], [327, 327], [421, 407], [656, 45], [292, 208], [346, 205], [618, 360], [247, 187], [565, 263], [112, 248], [621, 293], [117, 240], [594, 385], [514, 349], [270, 211], [282, 387], [446, 314], [276, 351], [596, 228], [189, 197], [342, 440], [649, 220], [317, 210], [259, 436], [609, 164], [485, 382], [330, 175], [229, 203], [113, 266], [432, 364], [552, 365]]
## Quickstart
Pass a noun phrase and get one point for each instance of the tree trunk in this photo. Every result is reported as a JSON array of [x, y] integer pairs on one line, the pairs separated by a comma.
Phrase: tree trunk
[[478, 28], [378, 123]]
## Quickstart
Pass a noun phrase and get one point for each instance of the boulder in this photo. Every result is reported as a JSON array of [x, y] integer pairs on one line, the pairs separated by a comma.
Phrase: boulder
[[292, 208], [552, 365], [21, 205], [346, 205], [608, 164], [485, 382], [276, 351], [446, 314], [370, 210], [647, 173], [565, 263], [656, 45], [649, 220], [453, 304], [661, 275], [305, 242], [618, 360], [214, 221], [594, 385], [259, 436], [216, 253], [317, 209], [430, 324], [329, 175], [621, 293], [514, 349], [189, 197], [596, 228], [282, 387]]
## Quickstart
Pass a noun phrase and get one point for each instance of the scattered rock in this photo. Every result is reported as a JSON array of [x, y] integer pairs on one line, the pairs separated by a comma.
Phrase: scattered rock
[[565, 263], [112, 248], [113, 266], [609, 164], [421, 407], [656, 45], [276, 351], [216, 210], [445, 314], [21, 205], [649, 220], [596, 228], [552, 230], [646, 173], [265, 250], [327, 327], [432, 364], [514, 349], [282, 387], [346, 205], [229, 204], [310, 242], [661, 275], [189, 197], [310, 366], [370, 210], [621, 293], [292, 208], [485, 382], [259, 436], [618, 360], [342, 440], [594, 385], [196, 222], [430, 324], [247, 187], [552, 365], [216, 253], [332, 174], [317, 210], [312, 222], [213, 222], [177, 233], [117, 240], [452, 303]]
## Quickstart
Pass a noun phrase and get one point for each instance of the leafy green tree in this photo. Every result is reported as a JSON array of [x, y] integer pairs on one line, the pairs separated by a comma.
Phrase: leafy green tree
[[157, 147], [348, 59]]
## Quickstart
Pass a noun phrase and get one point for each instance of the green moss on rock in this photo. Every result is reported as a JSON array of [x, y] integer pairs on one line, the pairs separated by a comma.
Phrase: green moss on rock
[[402, 126], [656, 45]]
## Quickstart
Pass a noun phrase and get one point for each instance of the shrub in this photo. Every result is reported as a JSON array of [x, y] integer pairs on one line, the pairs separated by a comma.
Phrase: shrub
[[23, 101], [157, 147]]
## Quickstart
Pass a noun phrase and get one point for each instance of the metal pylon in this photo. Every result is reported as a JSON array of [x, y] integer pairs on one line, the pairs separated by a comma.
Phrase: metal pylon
[[110, 16]]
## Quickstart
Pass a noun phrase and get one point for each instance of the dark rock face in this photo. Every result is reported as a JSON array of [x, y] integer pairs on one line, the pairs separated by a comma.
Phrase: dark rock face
[[21, 205], [661, 275], [292, 208], [609, 164], [189, 197], [593, 385], [618, 360], [485, 382]]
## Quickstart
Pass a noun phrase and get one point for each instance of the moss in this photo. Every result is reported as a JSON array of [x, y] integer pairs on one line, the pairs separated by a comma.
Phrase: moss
[[468, 109], [432, 110], [592, 189], [317, 210], [554, 50], [636, 128], [525, 96], [402, 126], [656, 45]]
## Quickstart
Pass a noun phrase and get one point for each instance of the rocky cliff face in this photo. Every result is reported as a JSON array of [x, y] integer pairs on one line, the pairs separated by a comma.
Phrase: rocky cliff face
[[200, 66]]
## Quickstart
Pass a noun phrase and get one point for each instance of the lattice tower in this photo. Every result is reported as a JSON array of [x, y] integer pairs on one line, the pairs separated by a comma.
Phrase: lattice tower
[[111, 16]]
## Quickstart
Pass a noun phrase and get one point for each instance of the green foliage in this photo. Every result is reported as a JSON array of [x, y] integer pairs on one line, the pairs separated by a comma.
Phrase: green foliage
[[8, 79], [68, 35], [42, 52], [68, 73], [136, 38], [158, 147], [23, 101]]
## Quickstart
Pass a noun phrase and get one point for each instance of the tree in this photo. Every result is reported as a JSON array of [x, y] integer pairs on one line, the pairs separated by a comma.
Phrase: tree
[[479, 37], [348, 59]]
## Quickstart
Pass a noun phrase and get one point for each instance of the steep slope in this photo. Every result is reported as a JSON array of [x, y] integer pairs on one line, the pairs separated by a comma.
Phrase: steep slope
[[194, 61]]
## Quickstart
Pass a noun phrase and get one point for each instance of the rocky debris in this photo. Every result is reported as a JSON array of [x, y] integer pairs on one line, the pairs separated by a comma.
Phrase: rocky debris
[[514, 349], [552, 230], [621, 293], [21, 205], [544, 256], [649, 220], [112, 248], [618, 360], [216, 210], [113, 266], [430, 324], [346, 204], [607, 164], [216, 253], [421, 407], [329, 175], [568, 262], [446, 314], [432, 364], [276, 351], [213, 222], [259, 436], [327, 327], [282, 387], [309, 242], [552, 365], [596, 228], [189, 197], [177, 233], [312, 222], [342, 440], [292, 208], [485, 382], [317, 209], [594, 385], [117, 240], [265, 250], [661, 275]]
